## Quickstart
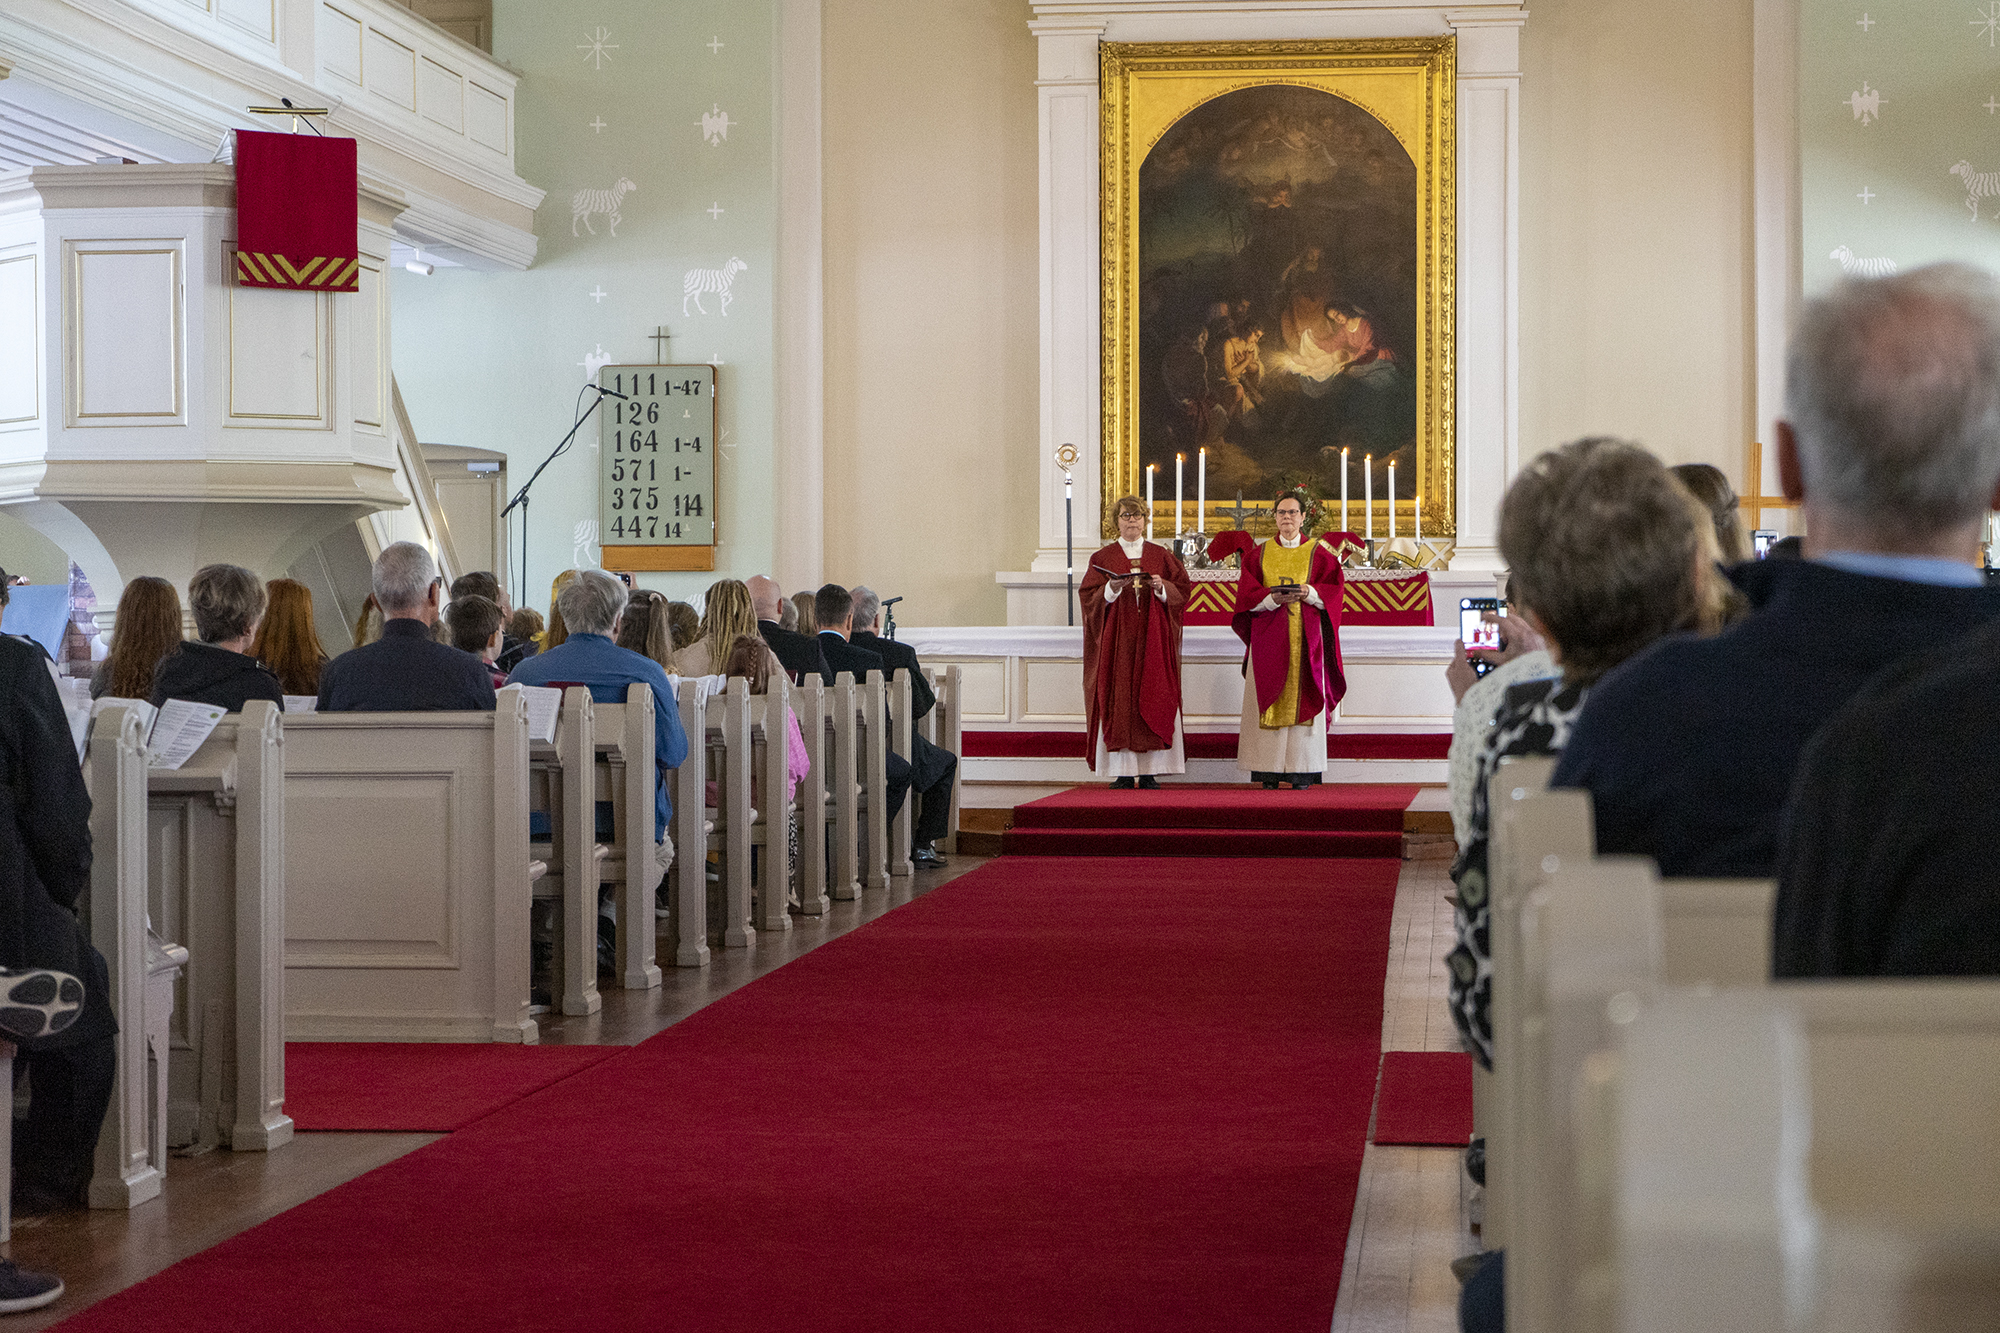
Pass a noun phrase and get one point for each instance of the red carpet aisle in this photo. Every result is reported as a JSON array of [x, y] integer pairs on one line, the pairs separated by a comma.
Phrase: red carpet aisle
[[1069, 1095], [1203, 819], [1426, 1099], [417, 1086]]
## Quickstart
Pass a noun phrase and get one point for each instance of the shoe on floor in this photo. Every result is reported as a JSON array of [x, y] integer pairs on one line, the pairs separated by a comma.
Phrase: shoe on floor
[[1271, 784], [25, 1289], [927, 856], [1121, 784], [38, 1003], [1149, 783], [1466, 1265], [31, 1198]]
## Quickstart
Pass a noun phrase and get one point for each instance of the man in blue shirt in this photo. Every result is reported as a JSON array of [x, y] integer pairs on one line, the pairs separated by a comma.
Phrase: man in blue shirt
[[591, 606]]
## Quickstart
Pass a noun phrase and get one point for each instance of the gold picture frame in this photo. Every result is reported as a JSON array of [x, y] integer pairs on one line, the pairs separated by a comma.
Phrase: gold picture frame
[[1404, 86]]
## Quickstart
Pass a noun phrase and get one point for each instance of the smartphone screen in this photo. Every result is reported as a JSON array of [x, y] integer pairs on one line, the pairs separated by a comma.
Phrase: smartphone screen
[[1761, 542], [1474, 628]]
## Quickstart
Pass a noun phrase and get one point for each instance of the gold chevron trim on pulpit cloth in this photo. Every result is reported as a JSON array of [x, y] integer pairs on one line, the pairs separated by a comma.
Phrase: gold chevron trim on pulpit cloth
[[1401, 600], [326, 273]]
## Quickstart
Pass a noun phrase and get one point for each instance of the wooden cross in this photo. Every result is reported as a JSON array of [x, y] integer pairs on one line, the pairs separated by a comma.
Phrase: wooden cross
[[660, 345], [1239, 513]]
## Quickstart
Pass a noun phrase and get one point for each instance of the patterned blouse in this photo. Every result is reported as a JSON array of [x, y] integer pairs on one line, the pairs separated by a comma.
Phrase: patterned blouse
[[1535, 717]]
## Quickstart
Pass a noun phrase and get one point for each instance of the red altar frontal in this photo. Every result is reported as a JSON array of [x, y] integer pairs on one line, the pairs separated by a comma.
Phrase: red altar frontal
[[1369, 597]]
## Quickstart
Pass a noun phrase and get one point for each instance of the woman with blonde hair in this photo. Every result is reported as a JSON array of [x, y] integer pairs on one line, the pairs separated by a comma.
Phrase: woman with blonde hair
[[286, 640], [557, 634], [367, 625], [643, 627], [808, 618], [727, 617], [148, 628]]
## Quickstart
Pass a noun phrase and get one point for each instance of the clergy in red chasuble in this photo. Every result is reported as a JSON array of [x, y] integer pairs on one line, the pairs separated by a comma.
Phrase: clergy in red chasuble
[[1288, 616], [1132, 596]]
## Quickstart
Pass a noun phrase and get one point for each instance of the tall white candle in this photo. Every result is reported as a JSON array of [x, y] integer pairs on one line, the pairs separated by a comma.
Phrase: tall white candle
[[1150, 469], [1392, 501], [1343, 492], [1368, 493], [1201, 493], [1180, 463], [1420, 518]]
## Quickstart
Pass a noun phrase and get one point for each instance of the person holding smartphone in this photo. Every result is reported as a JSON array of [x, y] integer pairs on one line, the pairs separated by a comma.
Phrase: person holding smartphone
[[1288, 616], [1132, 597]]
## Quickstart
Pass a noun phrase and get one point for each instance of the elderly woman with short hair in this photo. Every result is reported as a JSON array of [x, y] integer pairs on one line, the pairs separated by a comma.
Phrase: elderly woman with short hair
[[228, 603]]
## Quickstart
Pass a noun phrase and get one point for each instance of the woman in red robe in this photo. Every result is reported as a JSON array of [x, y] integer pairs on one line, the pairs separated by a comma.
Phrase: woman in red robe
[[1288, 616], [1132, 597]]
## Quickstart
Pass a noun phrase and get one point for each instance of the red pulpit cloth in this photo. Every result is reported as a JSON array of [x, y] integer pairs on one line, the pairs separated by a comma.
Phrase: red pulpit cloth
[[297, 224]]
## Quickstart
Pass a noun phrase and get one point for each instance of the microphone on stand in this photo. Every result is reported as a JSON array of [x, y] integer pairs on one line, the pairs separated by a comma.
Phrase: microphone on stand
[[889, 625]]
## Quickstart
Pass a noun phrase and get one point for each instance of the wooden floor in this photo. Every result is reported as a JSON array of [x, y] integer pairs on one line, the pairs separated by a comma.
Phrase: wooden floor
[[1408, 1218]]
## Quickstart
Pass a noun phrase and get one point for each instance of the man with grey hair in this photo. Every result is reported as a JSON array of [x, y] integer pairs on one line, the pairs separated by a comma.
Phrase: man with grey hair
[[1892, 450], [406, 670], [933, 768], [591, 606]]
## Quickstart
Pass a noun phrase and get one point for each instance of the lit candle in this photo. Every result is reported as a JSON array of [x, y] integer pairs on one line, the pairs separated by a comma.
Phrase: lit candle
[[1180, 463], [1392, 501], [1343, 492], [1420, 518], [1150, 469], [1201, 493], [1368, 493]]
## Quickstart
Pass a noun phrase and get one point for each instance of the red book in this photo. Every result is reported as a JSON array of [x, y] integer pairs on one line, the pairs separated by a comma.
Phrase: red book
[[297, 221]]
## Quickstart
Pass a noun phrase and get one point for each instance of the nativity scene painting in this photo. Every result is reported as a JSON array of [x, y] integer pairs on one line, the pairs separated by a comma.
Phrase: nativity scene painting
[[1278, 295]]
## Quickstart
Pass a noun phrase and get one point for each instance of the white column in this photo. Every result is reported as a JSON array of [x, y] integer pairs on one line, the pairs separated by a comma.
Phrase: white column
[[1489, 276], [799, 449], [1775, 169], [1066, 87]]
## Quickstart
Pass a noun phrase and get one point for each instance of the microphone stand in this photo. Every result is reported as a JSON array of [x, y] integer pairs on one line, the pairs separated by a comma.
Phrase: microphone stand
[[889, 624], [520, 500]]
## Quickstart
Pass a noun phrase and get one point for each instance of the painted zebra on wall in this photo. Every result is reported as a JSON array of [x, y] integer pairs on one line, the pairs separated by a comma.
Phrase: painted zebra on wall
[[1856, 267], [1979, 185], [586, 202], [703, 280]]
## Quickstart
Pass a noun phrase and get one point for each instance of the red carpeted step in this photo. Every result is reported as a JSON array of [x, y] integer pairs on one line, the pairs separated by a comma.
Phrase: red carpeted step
[[1329, 807], [1197, 842], [1049, 1095], [1426, 1099]]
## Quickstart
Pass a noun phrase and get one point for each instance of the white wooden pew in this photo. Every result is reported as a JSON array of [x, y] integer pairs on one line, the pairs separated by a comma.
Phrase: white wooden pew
[[628, 778], [1810, 1155], [407, 876], [563, 785], [872, 744], [900, 731], [845, 774], [216, 866], [944, 727], [815, 801], [770, 742], [687, 881], [726, 732]]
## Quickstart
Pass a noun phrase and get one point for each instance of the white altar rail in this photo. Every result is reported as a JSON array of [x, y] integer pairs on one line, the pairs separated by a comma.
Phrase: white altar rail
[[1029, 679]]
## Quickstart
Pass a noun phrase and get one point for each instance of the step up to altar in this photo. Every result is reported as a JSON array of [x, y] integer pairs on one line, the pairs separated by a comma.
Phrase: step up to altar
[[1189, 819]]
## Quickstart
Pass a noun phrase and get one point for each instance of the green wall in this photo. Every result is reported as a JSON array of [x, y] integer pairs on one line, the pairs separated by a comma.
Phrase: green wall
[[1878, 179], [492, 359]]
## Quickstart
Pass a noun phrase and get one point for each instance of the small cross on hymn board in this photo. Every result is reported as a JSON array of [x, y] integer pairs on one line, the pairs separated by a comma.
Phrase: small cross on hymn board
[[660, 345]]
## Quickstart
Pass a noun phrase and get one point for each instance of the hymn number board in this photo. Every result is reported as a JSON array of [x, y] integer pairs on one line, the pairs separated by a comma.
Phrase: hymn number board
[[657, 492]]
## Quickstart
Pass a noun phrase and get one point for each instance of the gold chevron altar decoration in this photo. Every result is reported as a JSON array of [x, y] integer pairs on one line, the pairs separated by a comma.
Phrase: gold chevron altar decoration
[[1402, 600], [328, 273]]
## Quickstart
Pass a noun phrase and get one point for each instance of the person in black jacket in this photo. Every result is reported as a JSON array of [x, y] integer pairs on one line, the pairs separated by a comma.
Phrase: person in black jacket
[[932, 767], [44, 873], [406, 670], [797, 653], [833, 607], [1893, 449], [228, 603]]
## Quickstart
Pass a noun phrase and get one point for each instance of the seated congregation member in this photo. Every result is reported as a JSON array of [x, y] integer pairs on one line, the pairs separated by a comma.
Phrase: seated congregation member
[[1132, 597], [644, 627], [727, 617], [1521, 656], [514, 650], [798, 653], [148, 628], [802, 607], [406, 670], [287, 641], [557, 632], [932, 767], [1606, 553], [1892, 447], [1886, 862], [1712, 491], [368, 625], [788, 615], [228, 603], [683, 625], [475, 624], [526, 625], [833, 611], [752, 662], [590, 605]]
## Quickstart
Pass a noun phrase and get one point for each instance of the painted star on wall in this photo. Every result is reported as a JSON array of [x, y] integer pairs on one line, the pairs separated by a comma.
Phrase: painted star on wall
[[595, 48]]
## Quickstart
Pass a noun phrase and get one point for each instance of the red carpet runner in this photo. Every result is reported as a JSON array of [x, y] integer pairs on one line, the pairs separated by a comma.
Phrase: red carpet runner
[[1426, 1099], [417, 1086], [1069, 1095], [1205, 819]]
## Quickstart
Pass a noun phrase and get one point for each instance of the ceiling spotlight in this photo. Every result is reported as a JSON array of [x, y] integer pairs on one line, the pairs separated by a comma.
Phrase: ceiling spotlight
[[419, 267]]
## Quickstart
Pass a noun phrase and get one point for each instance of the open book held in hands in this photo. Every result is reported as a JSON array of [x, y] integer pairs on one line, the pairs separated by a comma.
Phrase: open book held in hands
[[174, 730]]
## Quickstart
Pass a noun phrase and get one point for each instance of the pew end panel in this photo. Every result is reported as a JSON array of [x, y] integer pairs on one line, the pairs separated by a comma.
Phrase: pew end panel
[[814, 800], [688, 879], [407, 876]]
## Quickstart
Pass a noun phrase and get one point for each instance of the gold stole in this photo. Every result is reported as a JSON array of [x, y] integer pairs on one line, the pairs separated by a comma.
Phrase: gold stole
[[1295, 564]]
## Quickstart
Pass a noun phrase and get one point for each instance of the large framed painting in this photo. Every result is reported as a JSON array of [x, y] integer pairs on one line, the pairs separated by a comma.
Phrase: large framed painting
[[1278, 262]]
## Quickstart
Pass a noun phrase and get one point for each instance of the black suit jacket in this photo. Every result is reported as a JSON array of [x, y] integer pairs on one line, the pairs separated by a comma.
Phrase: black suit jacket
[[405, 671], [901, 657], [842, 656], [798, 653]]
